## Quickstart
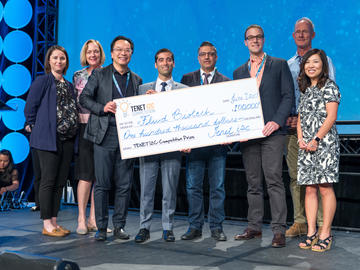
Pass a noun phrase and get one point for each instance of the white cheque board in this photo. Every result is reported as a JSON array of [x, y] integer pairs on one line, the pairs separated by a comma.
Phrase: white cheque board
[[189, 118]]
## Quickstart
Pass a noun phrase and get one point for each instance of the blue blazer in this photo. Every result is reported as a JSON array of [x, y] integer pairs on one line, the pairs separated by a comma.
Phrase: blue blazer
[[276, 90], [40, 111]]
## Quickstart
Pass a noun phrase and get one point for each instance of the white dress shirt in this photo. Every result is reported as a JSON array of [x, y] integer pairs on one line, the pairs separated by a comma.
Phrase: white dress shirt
[[212, 73], [168, 87]]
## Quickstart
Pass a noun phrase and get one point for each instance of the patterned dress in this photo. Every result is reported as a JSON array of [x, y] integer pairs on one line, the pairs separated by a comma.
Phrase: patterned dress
[[80, 79], [321, 166]]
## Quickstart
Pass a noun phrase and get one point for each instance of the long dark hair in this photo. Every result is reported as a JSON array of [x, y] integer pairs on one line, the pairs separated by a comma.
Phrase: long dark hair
[[303, 80], [6, 175]]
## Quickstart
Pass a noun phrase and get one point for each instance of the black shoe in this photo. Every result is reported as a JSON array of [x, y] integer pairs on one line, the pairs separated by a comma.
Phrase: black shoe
[[119, 233], [100, 235], [35, 208], [218, 235], [191, 234], [142, 236], [168, 236]]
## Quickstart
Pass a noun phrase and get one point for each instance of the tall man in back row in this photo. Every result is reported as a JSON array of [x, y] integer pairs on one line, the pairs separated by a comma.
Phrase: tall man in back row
[[264, 156], [213, 156], [303, 35]]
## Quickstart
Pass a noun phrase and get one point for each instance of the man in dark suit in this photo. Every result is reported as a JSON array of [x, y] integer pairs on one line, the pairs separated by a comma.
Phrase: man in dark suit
[[169, 163], [213, 156], [264, 156], [105, 85]]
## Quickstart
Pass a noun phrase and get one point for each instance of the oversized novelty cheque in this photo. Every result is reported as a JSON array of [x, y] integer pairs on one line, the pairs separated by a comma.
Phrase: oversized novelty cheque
[[189, 118]]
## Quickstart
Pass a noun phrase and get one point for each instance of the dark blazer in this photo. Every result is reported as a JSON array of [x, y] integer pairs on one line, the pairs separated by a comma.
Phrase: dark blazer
[[276, 90], [40, 111], [96, 93], [193, 78]]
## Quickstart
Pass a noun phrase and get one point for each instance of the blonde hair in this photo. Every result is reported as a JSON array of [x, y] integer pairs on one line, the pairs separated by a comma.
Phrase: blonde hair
[[84, 48]]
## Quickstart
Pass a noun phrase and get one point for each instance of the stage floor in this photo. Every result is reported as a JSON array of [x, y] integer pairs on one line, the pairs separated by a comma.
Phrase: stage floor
[[20, 231]]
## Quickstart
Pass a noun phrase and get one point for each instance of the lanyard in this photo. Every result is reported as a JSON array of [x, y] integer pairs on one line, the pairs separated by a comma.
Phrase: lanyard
[[117, 85], [261, 65]]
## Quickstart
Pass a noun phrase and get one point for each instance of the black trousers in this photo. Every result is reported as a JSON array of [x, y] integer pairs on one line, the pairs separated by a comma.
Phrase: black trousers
[[111, 172], [54, 168]]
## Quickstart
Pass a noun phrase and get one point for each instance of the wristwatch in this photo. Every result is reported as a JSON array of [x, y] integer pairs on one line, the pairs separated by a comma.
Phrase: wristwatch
[[317, 139]]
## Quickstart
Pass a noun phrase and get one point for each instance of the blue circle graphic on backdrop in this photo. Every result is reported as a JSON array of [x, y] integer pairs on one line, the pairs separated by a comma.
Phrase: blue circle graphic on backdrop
[[17, 144], [1, 11], [14, 120], [17, 46], [17, 13], [16, 80], [1, 79]]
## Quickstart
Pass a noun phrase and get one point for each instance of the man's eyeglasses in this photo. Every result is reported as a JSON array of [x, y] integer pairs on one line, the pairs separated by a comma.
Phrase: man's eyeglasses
[[120, 50], [251, 38], [203, 54]]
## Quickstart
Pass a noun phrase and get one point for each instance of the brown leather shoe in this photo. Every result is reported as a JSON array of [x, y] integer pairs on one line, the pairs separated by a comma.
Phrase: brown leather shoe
[[297, 229], [54, 232], [248, 234], [278, 240], [64, 230]]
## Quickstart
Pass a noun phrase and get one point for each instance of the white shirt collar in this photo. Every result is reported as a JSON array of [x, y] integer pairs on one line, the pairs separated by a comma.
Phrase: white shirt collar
[[168, 87], [212, 73]]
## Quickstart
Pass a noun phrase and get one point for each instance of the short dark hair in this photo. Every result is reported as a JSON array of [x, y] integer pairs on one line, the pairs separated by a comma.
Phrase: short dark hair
[[122, 38], [303, 80], [47, 58], [164, 50], [254, 26], [207, 43]]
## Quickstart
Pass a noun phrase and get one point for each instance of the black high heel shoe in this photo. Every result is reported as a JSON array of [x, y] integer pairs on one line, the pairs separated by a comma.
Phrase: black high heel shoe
[[309, 241], [323, 244]]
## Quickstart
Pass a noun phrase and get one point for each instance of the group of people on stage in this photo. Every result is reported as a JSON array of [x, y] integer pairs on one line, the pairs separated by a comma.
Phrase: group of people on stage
[[65, 117]]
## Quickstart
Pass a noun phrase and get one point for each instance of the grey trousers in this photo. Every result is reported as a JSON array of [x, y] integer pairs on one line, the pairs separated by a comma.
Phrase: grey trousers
[[264, 157], [169, 164]]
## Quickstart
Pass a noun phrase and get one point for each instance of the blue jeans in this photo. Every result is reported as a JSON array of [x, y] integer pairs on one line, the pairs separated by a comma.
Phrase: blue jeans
[[215, 158]]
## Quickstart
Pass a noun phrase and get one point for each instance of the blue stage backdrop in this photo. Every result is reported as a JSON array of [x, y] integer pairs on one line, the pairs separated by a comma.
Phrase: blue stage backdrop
[[182, 25]]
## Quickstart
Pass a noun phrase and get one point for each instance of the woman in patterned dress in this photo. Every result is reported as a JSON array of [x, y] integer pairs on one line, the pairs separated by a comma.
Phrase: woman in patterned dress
[[318, 163], [92, 56], [52, 118]]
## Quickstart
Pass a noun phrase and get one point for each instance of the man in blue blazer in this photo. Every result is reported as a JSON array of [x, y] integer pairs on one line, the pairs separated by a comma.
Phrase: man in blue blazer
[[169, 163], [264, 156], [214, 157], [105, 85]]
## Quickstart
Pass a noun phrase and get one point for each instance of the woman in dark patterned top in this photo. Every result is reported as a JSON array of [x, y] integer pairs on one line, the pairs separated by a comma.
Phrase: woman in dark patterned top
[[318, 163], [52, 118], [92, 56], [9, 179]]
